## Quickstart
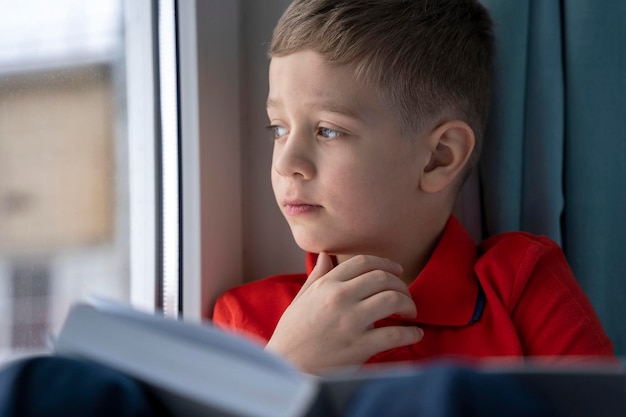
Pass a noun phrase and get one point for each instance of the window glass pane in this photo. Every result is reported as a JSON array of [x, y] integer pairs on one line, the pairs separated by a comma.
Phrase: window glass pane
[[64, 164]]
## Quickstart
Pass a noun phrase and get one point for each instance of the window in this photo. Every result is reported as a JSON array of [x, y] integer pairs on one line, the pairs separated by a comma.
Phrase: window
[[77, 164], [86, 131]]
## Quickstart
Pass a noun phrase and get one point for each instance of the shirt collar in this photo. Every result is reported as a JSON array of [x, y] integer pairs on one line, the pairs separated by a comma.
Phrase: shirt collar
[[446, 292]]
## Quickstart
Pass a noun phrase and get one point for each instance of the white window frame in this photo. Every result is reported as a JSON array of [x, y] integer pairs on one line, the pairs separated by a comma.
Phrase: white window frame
[[142, 130], [209, 74]]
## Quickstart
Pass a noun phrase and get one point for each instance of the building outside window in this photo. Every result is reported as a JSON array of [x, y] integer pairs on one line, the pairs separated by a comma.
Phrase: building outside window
[[65, 164]]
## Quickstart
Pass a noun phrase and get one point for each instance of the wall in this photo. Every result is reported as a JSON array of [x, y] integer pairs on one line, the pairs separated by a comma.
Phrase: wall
[[267, 243]]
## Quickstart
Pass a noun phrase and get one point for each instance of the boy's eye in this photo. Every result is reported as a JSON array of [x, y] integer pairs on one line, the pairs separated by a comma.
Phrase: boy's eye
[[328, 133], [277, 131]]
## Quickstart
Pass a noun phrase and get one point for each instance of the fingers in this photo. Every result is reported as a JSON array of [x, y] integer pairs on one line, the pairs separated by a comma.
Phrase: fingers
[[373, 282], [389, 337], [379, 294], [361, 278], [336, 309], [362, 264], [385, 304], [350, 269], [323, 266]]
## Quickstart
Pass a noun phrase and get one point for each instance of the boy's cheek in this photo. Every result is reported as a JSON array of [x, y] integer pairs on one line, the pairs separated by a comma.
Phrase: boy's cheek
[[275, 183]]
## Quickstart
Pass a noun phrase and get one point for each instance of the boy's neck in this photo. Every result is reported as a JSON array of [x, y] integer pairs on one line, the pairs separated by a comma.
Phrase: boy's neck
[[412, 256]]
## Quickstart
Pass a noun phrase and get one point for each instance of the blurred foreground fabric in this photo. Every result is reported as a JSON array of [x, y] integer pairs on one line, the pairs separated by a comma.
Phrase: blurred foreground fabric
[[55, 387]]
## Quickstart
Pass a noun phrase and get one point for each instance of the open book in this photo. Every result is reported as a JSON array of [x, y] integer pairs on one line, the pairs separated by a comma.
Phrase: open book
[[194, 367], [198, 370]]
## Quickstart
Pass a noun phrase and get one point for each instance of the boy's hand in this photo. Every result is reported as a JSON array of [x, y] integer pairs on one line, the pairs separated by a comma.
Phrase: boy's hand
[[330, 322]]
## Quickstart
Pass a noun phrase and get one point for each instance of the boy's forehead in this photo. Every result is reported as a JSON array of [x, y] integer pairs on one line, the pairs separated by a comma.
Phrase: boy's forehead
[[322, 103], [307, 78]]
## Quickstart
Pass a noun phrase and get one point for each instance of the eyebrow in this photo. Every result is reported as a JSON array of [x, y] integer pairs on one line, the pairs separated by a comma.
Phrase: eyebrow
[[272, 103], [330, 106]]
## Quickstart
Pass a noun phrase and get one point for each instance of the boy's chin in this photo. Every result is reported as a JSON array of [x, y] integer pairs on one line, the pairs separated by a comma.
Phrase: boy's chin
[[312, 247], [311, 244], [318, 248]]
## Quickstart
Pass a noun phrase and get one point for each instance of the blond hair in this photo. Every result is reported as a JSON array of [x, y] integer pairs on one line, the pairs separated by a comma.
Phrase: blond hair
[[427, 58]]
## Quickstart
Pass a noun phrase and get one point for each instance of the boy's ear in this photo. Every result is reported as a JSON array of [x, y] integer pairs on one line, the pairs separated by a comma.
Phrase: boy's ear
[[450, 145]]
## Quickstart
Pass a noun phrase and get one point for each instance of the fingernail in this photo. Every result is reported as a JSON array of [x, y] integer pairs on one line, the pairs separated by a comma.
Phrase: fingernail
[[420, 333]]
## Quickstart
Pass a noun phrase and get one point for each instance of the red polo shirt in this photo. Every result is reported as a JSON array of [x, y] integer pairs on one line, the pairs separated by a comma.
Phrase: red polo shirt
[[514, 295]]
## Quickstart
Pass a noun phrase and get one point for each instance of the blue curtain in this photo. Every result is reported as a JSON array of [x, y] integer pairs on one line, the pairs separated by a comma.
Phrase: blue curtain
[[554, 157]]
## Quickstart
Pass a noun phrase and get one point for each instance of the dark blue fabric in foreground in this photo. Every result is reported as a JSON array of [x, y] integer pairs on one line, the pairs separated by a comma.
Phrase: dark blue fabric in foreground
[[55, 387], [447, 391]]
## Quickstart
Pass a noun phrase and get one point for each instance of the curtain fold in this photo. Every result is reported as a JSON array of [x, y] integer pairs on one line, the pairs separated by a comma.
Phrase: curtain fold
[[542, 179], [595, 156], [501, 160], [554, 156]]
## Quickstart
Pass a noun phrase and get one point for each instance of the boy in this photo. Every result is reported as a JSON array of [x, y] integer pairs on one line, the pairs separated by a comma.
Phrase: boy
[[377, 108]]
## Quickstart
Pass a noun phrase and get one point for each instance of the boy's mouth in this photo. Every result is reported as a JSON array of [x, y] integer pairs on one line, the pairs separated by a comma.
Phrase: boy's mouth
[[298, 207]]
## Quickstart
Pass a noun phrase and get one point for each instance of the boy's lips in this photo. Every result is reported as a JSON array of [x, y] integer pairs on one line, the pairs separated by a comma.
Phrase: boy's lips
[[299, 207]]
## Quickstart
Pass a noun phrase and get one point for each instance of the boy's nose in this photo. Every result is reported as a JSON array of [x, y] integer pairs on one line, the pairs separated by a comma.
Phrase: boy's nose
[[293, 157]]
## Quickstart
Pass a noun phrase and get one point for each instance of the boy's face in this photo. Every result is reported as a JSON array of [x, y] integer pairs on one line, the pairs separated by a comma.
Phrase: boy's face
[[344, 176]]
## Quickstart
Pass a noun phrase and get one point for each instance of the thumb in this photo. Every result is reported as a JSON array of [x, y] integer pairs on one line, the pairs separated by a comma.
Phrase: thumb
[[323, 266]]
